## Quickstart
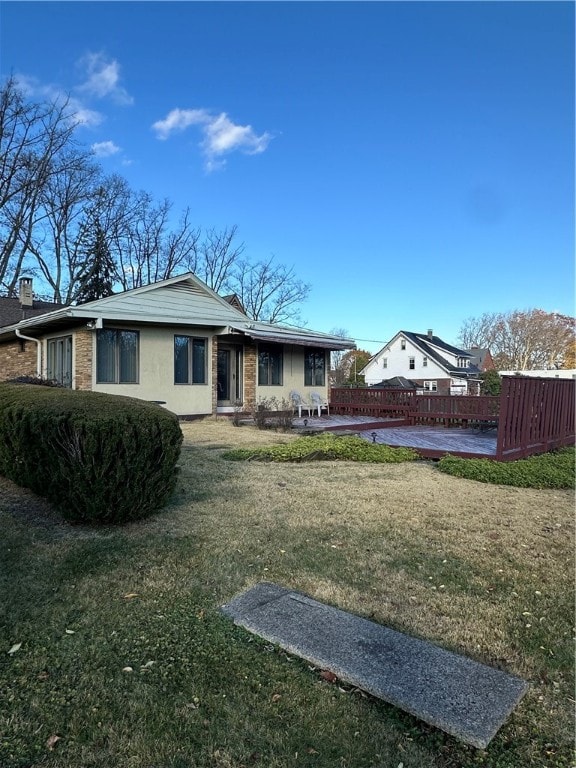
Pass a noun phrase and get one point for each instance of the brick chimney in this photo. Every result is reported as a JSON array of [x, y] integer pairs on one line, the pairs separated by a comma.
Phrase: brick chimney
[[25, 292]]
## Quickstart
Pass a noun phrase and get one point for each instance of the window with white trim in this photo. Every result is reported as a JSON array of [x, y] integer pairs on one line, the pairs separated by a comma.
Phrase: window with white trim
[[424, 362], [412, 363], [384, 362], [431, 386]]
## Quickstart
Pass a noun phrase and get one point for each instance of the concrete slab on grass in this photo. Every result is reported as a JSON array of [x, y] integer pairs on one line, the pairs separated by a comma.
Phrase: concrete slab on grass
[[468, 700]]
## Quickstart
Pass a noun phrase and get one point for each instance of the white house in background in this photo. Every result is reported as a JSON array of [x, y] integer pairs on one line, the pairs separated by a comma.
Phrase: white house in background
[[176, 342], [429, 364], [548, 373]]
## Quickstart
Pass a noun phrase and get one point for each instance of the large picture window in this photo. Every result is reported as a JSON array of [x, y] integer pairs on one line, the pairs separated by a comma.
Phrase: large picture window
[[269, 366], [189, 360], [315, 368], [117, 356]]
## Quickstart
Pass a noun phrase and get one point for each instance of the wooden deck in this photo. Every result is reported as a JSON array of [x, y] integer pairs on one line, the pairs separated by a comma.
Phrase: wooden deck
[[429, 442]]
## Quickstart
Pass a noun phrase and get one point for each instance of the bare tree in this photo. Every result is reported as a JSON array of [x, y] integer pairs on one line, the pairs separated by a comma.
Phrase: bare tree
[[522, 339], [338, 371], [148, 250], [54, 197], [268, 291], [216, 258], [33, 140]]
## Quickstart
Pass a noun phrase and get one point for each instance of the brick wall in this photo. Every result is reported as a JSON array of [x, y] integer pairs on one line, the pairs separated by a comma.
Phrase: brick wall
[[214, 373], [17, 358], [83, 345], [250, 369]]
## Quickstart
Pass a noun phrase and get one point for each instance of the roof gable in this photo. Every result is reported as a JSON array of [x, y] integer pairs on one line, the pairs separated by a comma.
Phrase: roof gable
[[183, 300], [434, 348]]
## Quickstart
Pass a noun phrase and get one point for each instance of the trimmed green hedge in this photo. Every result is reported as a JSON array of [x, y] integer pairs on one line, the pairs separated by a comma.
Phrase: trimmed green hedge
[[98, 458]]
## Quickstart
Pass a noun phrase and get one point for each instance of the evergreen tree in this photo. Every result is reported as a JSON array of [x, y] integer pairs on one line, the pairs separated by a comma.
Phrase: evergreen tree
[[97, 276]]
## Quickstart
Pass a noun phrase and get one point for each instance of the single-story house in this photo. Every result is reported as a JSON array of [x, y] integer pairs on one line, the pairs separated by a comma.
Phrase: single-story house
[[176, 342], [429, 363]]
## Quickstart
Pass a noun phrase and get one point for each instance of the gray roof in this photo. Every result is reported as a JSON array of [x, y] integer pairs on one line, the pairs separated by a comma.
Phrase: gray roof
[[396, 382], [12, 311], [182, 300]]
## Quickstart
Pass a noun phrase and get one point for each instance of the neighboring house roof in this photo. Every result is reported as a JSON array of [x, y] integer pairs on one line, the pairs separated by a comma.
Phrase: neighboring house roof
[[235, 302], [481, 358], [12, 311], [396, 382], [183, 300], [433, 346]]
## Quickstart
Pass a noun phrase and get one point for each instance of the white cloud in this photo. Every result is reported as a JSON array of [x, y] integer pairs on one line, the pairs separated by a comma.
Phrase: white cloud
[[103, 79], [221, 135], [105, 148], [179, 120], [74, 108]]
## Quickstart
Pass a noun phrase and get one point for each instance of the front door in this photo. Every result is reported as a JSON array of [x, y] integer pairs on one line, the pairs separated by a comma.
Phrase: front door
[[229, 376]]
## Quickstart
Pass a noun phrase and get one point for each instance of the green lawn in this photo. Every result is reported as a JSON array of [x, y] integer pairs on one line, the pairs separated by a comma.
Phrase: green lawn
[[121, 657]]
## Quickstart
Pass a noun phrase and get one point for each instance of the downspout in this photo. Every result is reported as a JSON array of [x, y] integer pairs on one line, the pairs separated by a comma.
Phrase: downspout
[[38, 353]]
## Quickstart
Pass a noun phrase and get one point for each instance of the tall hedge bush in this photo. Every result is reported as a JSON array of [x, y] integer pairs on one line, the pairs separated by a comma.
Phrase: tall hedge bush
[[98, 458]]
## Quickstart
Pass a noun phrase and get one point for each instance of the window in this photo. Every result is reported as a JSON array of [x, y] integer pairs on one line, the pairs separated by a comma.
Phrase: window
[[384, 362], [314, 368], [189, 360], [431, 386], [462, 362], [411, 363], [403, 344], [424, 362], [59, 363], [117, 357], [270, 366]]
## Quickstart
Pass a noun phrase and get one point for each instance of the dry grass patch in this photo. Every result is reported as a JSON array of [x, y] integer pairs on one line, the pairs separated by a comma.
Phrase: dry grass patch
[[484, 570]]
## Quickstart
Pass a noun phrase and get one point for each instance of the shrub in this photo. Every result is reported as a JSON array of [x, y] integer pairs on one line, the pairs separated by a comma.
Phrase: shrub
[[98, 458], [271, 413], [548, 470], [325, 447]]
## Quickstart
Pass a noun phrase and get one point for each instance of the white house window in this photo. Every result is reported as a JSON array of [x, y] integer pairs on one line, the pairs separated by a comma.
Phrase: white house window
[[424, 361], [462, 362], [412, 363], [314, 368], [59, 360], [270, 365], [431, 386], [384, 362], [402, 343], [117, 356], [190, 360]]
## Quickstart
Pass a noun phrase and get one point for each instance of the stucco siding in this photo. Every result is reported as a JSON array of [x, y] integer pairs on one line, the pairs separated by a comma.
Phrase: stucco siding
[[293, 378], [156, 373]]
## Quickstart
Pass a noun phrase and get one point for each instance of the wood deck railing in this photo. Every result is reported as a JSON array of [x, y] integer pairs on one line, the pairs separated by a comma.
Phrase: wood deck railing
[[536, 415], [418, 409], [532, 415]]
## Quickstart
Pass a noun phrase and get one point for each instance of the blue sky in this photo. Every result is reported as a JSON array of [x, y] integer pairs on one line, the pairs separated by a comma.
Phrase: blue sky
[[413, 161]]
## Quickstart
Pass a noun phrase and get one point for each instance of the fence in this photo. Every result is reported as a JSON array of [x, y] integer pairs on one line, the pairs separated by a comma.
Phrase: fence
[[532, 415], [536, 415]]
